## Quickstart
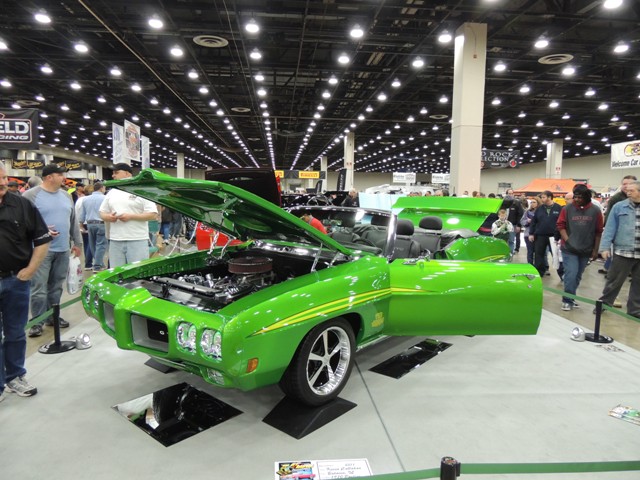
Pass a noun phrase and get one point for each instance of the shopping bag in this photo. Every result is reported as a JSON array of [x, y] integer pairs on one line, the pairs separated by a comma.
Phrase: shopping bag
[[75, 276]]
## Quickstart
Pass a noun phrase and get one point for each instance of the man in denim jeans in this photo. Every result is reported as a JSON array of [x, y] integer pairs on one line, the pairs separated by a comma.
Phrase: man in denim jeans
[[57, 210], [24, 241], [622, 230], [580, 225]]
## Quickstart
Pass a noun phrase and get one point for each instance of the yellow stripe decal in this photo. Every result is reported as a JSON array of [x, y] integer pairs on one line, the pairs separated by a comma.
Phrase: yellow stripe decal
[[325, 308]]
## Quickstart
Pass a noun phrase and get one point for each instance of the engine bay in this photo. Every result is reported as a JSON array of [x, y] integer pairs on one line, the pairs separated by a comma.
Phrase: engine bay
[[223, 280]]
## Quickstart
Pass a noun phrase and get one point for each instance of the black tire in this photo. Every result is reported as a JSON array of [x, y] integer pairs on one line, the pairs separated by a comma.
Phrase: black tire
[[315, 377]]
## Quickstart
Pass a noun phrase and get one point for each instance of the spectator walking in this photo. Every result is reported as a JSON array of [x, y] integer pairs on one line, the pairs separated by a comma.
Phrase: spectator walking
[[58, 212], [84, 231], [128, 216], [527, 216], [580, 225], [542, 228], [24, 241], [514, 214], [622, 232], [90, 214]]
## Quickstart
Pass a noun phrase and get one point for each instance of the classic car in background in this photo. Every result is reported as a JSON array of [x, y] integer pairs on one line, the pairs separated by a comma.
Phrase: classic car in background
[[290, 305]]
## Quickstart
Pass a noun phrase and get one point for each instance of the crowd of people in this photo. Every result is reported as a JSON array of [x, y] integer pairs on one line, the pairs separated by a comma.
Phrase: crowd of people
[[40, 228]]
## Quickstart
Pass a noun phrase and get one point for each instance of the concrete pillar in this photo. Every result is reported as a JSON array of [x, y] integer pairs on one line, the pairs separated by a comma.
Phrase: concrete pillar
[[468, 106], [553, 169], [180, 165], [324, 162], [349, 157]]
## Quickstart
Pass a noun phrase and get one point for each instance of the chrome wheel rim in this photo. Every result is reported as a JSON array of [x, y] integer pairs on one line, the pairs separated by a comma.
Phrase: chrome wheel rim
[[328, 361]]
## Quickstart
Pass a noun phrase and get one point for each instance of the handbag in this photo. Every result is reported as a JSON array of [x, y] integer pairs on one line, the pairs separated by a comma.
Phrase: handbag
[[75, 277]]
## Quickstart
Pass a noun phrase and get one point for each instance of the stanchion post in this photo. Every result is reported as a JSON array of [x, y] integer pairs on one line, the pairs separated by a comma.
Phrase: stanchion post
[[595, 336], [449, 468], [57, 346]]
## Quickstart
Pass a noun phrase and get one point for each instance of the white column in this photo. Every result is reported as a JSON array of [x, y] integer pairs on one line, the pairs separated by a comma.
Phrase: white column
[[553, 169], [349, 158], [324, 162], [468, 106], [180, 165]]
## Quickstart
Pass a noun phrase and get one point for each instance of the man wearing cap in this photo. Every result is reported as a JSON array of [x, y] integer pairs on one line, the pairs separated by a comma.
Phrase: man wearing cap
[[58, 212], [24, 240], [128, 216], [13, 187]]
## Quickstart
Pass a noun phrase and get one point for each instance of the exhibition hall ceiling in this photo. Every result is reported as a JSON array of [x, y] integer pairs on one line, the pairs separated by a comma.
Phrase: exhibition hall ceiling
[[188, 73]]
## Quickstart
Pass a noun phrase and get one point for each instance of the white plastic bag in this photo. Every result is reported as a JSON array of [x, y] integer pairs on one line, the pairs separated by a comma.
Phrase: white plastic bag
[[75, 277]]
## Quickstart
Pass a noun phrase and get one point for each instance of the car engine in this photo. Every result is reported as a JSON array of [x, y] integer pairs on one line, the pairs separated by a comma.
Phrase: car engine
[[207, 290]]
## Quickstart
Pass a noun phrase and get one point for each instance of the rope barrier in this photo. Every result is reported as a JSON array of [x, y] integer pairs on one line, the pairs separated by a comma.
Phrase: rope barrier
[[45, 315], [617, 311]]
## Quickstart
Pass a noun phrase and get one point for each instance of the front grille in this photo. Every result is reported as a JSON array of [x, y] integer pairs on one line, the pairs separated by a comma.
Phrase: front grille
[[109, 316], [150, 333]]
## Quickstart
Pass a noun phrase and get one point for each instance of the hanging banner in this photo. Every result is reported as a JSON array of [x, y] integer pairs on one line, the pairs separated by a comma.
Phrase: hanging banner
[[404, 177], [625, 155], [117, 140], [131, 142], [300, 174], [342, 180], [499, 159], [145, 152], [19, 129], [440, 178]]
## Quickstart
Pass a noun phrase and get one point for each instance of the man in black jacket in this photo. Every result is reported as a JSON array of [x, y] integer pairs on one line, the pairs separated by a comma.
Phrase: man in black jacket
[[542, 228]]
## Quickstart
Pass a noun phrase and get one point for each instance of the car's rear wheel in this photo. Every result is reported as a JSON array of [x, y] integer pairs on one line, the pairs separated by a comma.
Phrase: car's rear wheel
[[322, 364]]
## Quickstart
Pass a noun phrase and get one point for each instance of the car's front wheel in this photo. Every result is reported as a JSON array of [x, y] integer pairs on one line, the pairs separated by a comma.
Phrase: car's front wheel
[[322, 364]]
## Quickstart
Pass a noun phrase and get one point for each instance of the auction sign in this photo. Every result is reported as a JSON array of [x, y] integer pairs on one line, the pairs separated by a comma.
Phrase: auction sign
[[19, 129], [499, 159], [625, 155]]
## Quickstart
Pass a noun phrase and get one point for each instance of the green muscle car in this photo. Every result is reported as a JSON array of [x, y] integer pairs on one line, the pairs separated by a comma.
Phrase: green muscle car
[[290, 304]]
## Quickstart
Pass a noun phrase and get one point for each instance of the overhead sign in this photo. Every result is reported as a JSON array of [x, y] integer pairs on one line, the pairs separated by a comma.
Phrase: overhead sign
[[440, 178], [19, 129], [117, 140], [145, 153], [404, 177], [499, 159], [625, 155], [300, 174], [131, 141]]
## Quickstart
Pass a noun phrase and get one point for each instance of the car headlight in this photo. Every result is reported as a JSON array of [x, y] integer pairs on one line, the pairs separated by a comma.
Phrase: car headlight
[[96, 302], [211, 343], [186, 336]]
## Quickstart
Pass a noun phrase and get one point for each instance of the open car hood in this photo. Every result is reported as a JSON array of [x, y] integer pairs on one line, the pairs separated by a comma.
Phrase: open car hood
[[231, 210], [455, 212]]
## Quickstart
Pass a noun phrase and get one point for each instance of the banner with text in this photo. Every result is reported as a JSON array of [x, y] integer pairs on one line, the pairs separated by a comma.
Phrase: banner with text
[[19, 129], [117, 140], [300, 174], [499, 159], [440, 178], [131, 142], [625, 155], [145, 152], [404, 177]]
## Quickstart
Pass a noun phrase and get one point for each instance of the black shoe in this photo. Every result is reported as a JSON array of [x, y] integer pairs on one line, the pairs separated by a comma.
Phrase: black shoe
[[63, 323], [602, 271], [35, 331]]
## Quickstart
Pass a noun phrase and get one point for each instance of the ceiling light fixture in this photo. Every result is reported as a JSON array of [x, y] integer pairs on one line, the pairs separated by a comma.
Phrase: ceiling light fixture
[[396, 83], [136, 88], [542, 42], [259, 77], [46, 69], [496, 101], [3, 45], [176, 51], [356, 32], [382, 96], [81, 47], [603, 106], [75, 85], [252, 27], [333, 80], [255, 54], [445, 37], [203, 90], [443, 99], [590, 92], [155, 22], [192, 74], [115, 71], [418, 62], [343, 59], [553, 104], [568, 70], [5, 83], [525, 89], [101, 99], [500, 67], [261, 92], [42, 17], [621, 47], [611, 4]]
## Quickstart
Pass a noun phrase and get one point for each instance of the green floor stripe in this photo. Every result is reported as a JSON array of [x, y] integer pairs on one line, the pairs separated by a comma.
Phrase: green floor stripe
[[45, 315]]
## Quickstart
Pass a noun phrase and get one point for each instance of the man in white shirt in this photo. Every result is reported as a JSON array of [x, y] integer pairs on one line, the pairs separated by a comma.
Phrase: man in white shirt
[[128, 216]]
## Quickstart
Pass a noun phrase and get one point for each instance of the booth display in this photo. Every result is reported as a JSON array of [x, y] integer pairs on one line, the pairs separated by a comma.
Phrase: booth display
[[290, 304]]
